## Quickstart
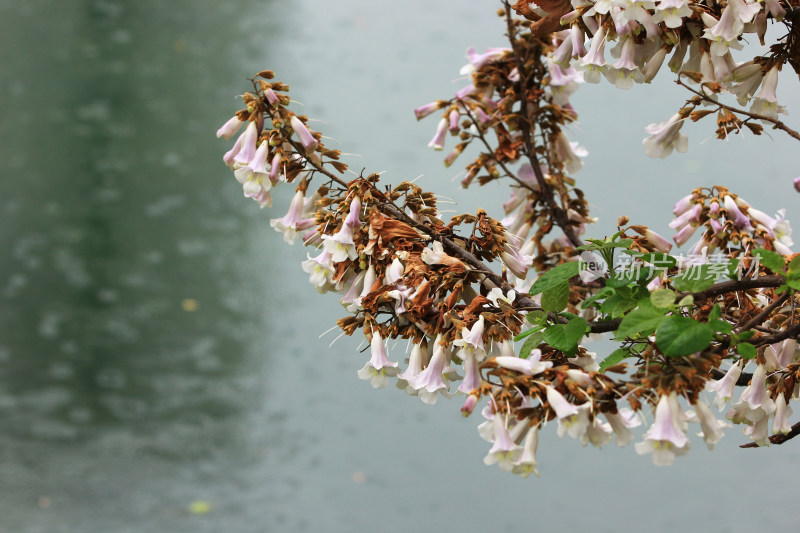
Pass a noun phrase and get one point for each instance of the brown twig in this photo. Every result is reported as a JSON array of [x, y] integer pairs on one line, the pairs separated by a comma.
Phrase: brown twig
[[775, 122], [777, 438], [558, 213]]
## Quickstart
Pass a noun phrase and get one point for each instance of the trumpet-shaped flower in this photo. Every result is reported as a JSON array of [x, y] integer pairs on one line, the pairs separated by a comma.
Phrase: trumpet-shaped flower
[[379, 367], [526, 463], [672, 12], [306, 139], [230, 128], [430, 382], [293, 223], [530, 367], [666, 438], [665, 137], [621, 422], [725, 386], [504, 451], [711, 427]]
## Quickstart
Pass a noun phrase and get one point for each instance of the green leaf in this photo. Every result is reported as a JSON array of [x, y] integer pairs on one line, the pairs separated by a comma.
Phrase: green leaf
[[616, 305], [536, 317], [526, 334], [733, 269], [794, 265], [716, 312], [769, 259], [617, 356], [555, 276], [746, 350], [659, 261], [532, 342], [720, 325], [644, 318], [686, 301], [678, 336], [663, 298], [565, 337], [602, 293], [695, 279], [556, 298], [743, 336], [793, 283], [619, 280]]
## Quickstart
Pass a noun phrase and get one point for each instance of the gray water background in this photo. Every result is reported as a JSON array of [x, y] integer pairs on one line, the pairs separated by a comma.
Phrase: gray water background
[[159, 342]]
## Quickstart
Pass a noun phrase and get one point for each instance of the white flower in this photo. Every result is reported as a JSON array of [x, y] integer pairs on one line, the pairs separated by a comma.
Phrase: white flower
[[725, 386], [293, 223], [526, 463], [321, 270], [666, 438], [766, 101], [754, 404], [621, 422], [711, 427], [782, 414], [417, 359], [671, 12], [530, 366], [503, 451], [665, 137], [496, 295], [430, 381], [378, 367]]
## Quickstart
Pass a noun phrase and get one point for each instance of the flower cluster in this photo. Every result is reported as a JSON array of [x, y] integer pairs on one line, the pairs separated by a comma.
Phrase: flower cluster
[[697, 37], [462, 292]]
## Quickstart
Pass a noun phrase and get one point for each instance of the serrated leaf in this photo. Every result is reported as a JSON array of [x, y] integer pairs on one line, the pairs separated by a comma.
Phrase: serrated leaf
[[565, 337], [555, 276], [615, 357], [746, 350], [556, 298], [532, 342], [769, 259], [686, 301], [646, 317], [679, 335], [663, 298], [716, 312]]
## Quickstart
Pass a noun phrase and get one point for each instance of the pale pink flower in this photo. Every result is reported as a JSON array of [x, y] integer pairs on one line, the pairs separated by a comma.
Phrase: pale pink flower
[[621, 422], [437, 142], [665, 137], [379, 367], [526, 463], [530, 367], [293, 223], [711, 427], [666, 438], [230, 128], [724, 387], [430, 382], [306, 139], [672, 12], [504, 451], [782, 414]]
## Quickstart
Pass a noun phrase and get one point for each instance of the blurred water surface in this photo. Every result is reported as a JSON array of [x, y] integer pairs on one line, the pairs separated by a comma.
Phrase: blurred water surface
[[160, 367]]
